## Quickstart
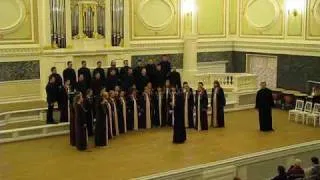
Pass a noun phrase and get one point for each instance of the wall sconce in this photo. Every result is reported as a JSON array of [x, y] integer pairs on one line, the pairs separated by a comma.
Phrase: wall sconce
[[295, 7], [189, 7]]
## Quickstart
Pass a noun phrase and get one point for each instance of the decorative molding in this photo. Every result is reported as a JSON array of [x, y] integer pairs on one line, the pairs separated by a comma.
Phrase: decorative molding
[[30, 14], [316, 11], [274, 19], [156, 27], [19, 21]]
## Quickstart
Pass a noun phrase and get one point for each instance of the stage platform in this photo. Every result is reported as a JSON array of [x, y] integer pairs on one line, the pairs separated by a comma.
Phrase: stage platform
[[146, 152]]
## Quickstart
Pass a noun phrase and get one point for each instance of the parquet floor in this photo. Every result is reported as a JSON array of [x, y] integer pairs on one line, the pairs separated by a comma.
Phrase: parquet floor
[[147, 152]]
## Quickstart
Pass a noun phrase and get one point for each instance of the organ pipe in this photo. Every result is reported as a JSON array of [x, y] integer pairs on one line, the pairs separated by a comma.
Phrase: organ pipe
[[117, 15], [58, 23]]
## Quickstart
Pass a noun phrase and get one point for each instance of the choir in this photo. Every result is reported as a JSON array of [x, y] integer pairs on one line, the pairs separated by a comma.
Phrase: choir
[[129, 99]]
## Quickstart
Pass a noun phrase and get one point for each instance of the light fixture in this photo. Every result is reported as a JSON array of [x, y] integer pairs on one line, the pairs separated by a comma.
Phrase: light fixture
[[189, 7], [295, 7]]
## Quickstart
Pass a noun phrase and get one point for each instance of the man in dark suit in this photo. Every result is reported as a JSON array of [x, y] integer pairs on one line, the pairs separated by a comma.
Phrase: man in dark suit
[[70, 74], [113, 68], [85, 72], [264, 103], [100, 71], [124, 69]]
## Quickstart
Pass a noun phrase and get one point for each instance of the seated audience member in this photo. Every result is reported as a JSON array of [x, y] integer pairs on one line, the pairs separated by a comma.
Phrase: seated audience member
[[296, 171], [314, 171], [282, 175]]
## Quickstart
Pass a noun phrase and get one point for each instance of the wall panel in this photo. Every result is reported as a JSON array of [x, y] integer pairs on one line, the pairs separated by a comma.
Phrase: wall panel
[[313, 19], [154, 19], [19, 22], [262, 18], [211, 18]]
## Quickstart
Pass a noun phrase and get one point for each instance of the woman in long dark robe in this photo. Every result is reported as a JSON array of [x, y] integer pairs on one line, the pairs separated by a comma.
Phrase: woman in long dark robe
[[64, 102], [132, 111], [179, 130], [171, 107], [158, 107], [114, 110], [80, 124], [72, 126], [89, 104], [121, 108], [201, 108], [145, 110], [188, 106], [218, 101], [102, 122], [166, 104]]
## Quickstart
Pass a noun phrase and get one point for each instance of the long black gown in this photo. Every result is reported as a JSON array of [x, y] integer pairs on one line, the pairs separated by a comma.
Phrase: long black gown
[[63, 108], [101, 129], [158, 109], [143, 124], [81, 130], [86, 74], [264, 103], [121, 117], [217, 106], [179, 130], [88, 105], [166, 108], [189, 98], [70, 74], [201, 111]]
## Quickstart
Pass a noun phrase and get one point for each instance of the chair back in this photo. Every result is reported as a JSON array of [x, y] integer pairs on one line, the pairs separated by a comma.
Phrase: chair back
[[299, 105], [316, 108], [308, 107]]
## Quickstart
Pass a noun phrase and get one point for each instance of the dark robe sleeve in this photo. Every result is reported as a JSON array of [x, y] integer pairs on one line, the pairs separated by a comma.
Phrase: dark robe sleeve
[[212, 96], [205, 101], [222, 97]]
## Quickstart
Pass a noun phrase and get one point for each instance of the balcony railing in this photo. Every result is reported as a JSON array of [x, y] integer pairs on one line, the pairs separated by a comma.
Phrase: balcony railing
[[229, 81]]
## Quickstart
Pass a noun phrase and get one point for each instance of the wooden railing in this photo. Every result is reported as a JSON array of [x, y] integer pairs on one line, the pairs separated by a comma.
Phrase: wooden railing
[[232, 81]]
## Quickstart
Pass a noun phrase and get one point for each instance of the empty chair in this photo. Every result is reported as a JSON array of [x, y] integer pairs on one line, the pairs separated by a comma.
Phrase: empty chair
[[297, 110], [314, 116], [306, 112]]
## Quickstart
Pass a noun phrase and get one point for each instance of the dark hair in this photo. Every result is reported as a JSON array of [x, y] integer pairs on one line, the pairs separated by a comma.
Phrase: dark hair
[[82, 62], [315, 160], [201, 83], [185, 82], [69, 62], [53, 68], [216, 82], [281, 170]]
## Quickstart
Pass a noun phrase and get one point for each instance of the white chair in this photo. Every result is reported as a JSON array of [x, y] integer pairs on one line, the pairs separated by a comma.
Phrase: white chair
[[315, 115], [297, 110], [306, 112]]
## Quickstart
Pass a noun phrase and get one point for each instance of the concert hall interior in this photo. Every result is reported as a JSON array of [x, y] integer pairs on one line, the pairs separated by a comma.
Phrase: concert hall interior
[[159, 89]]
